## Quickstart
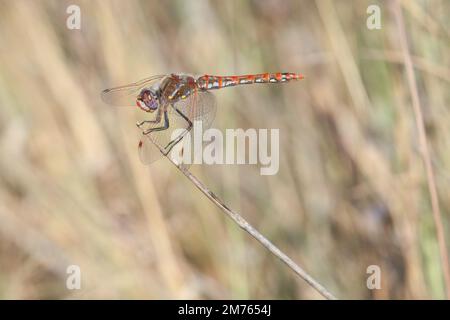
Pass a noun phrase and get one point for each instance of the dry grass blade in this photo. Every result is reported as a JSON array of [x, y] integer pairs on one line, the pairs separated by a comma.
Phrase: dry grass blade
[[256, 234], [236, 217], [423, 145]]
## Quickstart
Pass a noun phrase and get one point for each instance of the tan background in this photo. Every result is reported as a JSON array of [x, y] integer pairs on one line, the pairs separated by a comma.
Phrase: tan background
[[351, 190]]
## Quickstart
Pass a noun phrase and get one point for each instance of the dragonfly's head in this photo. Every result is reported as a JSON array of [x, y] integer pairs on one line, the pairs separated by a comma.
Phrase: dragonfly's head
[[147, 100]]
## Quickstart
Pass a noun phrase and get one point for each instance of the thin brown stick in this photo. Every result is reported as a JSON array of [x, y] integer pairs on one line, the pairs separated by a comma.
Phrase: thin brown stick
[[423, 146], [236, 217]]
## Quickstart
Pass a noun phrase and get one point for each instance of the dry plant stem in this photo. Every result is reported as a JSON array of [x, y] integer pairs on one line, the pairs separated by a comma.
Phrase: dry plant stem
[[253, 232], [423, 146]]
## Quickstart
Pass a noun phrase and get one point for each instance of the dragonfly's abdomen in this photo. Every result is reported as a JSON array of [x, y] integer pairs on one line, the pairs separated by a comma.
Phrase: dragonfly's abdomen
[[209, 82]]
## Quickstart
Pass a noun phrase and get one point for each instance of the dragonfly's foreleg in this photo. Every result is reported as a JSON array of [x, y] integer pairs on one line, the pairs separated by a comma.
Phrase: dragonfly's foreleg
[[157, 119], [164, 127], [172, 143]]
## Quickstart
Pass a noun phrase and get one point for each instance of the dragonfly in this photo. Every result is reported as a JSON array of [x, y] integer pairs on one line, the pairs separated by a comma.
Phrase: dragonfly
[[178, 100]]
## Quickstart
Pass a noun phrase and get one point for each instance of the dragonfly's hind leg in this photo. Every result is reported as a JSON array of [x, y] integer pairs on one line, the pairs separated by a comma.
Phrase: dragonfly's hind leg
[[172, 143]]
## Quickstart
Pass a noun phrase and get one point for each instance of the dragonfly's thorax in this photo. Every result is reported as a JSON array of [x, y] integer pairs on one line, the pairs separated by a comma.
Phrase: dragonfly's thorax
[[177, 87]]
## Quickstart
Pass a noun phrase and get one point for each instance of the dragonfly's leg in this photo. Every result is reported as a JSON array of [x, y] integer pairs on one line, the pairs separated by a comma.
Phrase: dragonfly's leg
[[164, 127], [139, 124], [157, 119], [184, 117], [172, 143]]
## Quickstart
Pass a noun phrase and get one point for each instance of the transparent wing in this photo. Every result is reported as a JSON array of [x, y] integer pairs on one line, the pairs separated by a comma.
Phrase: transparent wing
[[148, 151], [126, 95], [199, 107]]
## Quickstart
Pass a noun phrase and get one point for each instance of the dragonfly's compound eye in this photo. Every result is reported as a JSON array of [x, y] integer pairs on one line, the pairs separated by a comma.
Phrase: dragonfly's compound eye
[[147, 100]]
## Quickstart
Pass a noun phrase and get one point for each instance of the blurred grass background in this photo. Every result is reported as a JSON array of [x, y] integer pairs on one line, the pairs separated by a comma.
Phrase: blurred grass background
[[351, 190]]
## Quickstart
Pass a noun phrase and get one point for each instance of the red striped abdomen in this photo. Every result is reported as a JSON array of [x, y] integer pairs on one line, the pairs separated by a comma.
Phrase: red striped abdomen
[[209, 82]]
